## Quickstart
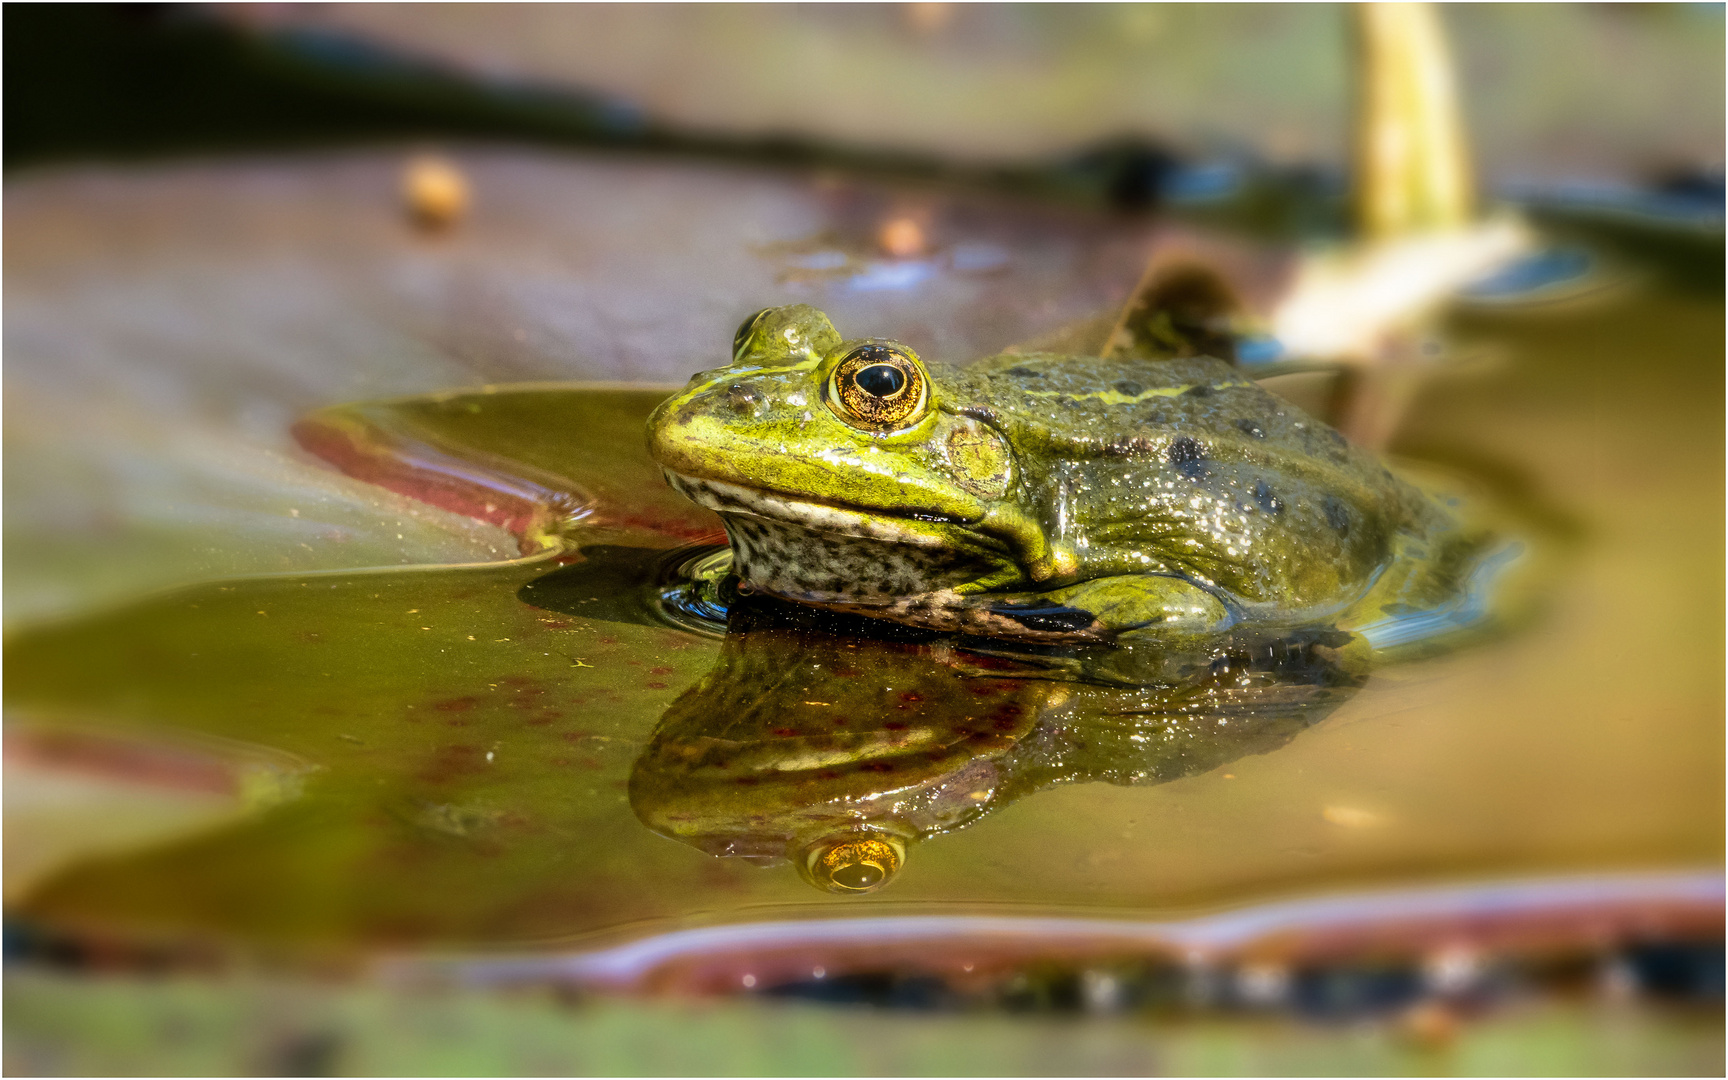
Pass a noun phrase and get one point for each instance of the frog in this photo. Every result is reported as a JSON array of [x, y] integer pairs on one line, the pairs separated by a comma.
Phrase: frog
[[1148, 491]]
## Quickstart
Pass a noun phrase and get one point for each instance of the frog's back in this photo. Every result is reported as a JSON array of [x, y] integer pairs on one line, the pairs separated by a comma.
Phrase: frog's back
[[1185, 467], [1081, 406]]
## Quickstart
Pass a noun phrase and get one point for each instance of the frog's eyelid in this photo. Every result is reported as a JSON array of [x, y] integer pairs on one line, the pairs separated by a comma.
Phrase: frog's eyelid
[[741, 336]]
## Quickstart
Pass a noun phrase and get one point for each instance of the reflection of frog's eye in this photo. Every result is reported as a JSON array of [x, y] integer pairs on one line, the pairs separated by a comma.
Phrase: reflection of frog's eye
[[878, 386], [852, 864], [742, 337]]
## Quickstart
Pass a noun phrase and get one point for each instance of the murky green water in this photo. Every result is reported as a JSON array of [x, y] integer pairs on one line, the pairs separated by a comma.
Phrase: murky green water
[[537, 752]]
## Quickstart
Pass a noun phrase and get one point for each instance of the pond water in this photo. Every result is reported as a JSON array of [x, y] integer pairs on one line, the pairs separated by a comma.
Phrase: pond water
[[543, 754], [430, 691]]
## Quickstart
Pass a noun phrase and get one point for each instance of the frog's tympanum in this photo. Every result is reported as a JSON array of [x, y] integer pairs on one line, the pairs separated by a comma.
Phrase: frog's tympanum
[[1153, 495], [838, 749]]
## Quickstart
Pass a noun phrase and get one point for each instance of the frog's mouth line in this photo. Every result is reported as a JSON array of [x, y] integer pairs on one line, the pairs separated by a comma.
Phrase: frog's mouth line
[[724, 498]]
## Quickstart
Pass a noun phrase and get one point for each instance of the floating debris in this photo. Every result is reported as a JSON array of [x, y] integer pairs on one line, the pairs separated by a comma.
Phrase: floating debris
[[436, 192]]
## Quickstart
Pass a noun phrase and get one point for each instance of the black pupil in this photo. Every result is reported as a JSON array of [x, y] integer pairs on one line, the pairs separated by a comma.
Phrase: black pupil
[[880, 380]]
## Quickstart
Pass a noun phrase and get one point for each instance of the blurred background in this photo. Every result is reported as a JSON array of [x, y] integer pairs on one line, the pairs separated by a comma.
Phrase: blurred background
[[220, 218]]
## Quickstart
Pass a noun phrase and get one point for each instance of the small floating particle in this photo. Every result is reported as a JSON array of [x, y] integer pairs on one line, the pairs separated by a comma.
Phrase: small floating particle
[[749, 980], [579, 663], [1229, 776], [263, 613], [1431, 1025], [413, 611], [425, 628], [436, 192], [807, 702], [902, 238], [1350, 817], [928, 18], [470, 637]]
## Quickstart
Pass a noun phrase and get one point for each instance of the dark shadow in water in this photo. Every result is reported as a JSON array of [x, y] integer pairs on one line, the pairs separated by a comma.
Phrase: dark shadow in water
[[612, 582], [838, 742]]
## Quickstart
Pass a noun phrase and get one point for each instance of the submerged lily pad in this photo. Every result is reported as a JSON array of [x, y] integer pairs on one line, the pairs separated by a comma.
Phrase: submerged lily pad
[[464, 738]]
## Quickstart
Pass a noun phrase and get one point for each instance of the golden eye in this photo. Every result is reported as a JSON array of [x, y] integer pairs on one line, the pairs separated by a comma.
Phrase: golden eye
[[852, 864], [878, 387], [742, 337]]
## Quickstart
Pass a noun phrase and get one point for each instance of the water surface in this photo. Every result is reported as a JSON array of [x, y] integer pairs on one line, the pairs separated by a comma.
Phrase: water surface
[[464, 738]]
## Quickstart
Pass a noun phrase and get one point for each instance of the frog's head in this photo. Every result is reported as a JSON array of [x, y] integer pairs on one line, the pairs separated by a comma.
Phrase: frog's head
[[840, 472]]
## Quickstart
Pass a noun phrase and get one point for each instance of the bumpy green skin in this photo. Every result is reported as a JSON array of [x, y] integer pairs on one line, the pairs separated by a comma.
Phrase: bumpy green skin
[[1040, 496]]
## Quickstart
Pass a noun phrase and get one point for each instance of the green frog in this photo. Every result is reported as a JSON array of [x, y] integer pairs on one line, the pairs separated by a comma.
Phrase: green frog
[[1150, 494]]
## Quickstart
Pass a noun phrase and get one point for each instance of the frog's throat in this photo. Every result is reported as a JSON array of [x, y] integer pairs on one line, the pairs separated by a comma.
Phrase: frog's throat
[[724, 498], [826, 555], [1041, 558]]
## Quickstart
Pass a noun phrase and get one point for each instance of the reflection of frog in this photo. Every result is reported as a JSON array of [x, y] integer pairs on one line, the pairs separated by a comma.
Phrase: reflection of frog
[[1140, 496], [817, 741]]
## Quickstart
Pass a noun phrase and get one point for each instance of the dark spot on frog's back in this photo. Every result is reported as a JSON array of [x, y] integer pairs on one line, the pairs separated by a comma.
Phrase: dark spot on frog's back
[[1024, 373], [1129, 389], [1337, 514], [1199, 391], [1266, 498], [1188, 457], [1251, 428]]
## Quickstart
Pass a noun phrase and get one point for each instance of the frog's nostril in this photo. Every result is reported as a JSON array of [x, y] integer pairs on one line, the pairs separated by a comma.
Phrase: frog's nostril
[[743, 398]]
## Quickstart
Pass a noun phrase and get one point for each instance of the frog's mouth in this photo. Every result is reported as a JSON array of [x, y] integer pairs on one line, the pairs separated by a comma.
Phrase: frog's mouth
[[725, 498]]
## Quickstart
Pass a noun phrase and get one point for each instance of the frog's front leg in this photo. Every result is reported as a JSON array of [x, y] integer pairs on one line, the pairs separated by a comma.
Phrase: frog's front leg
[[1146, 606]]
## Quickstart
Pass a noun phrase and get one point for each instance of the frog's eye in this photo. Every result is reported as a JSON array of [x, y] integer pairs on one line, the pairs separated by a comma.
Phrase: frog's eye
[[879, 387], [742, 337], [852, 864]]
